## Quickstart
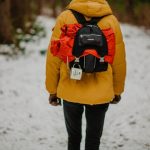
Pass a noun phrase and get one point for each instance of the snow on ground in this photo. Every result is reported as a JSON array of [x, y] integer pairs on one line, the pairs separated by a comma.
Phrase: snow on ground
[[28, 122]]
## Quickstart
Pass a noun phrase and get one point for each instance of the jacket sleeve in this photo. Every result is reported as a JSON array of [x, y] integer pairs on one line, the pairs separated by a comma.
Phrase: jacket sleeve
[[52, 62], [119, 64]]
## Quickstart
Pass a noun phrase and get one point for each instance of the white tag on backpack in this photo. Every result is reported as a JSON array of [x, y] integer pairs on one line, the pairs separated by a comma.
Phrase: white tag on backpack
[[76, 73]]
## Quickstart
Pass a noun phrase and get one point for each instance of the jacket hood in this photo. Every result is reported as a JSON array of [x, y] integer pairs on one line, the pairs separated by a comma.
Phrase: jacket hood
[[91, 8]]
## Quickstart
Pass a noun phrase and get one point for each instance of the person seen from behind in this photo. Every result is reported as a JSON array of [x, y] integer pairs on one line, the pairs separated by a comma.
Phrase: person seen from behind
[[86, 68]]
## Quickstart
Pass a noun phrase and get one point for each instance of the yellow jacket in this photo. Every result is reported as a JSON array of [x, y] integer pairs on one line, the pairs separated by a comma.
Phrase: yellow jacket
[[96, 88]]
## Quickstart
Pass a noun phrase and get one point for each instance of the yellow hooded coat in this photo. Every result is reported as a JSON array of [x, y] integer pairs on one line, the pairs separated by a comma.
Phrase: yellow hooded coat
[[95, 88]]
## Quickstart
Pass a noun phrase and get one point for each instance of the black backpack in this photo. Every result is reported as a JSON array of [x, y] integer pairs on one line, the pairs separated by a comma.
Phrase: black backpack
[[90, 36]]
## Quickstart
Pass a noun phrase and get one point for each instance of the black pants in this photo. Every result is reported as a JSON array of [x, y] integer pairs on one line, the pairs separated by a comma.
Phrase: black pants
[[95, 115]]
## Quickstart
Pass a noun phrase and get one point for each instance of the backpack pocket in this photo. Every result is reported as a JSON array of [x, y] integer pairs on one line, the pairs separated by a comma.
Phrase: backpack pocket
[[89, 63], [90, 39]]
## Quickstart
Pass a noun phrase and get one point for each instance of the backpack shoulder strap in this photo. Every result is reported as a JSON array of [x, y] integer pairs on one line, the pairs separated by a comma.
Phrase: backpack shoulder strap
[[80, 18], [95, 20]]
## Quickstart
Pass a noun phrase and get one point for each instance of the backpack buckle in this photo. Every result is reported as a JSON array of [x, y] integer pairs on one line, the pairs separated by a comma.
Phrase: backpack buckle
[[102, 60], [77, 60]]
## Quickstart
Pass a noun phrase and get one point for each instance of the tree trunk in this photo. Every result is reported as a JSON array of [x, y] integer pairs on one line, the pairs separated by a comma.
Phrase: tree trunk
[[21, 13], [40, 4], [5, 23], [129, 6], [54, 5]]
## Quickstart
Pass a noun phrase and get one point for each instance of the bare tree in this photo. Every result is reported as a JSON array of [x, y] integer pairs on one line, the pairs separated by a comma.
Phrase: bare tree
[[5, 22]]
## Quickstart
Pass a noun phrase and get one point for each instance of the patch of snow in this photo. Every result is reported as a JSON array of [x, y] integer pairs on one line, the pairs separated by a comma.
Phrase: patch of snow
[[42, 44], [6, 49]]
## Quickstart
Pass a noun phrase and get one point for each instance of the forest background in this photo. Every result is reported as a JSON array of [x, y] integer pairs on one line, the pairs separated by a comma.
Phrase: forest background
[[18, 16]]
